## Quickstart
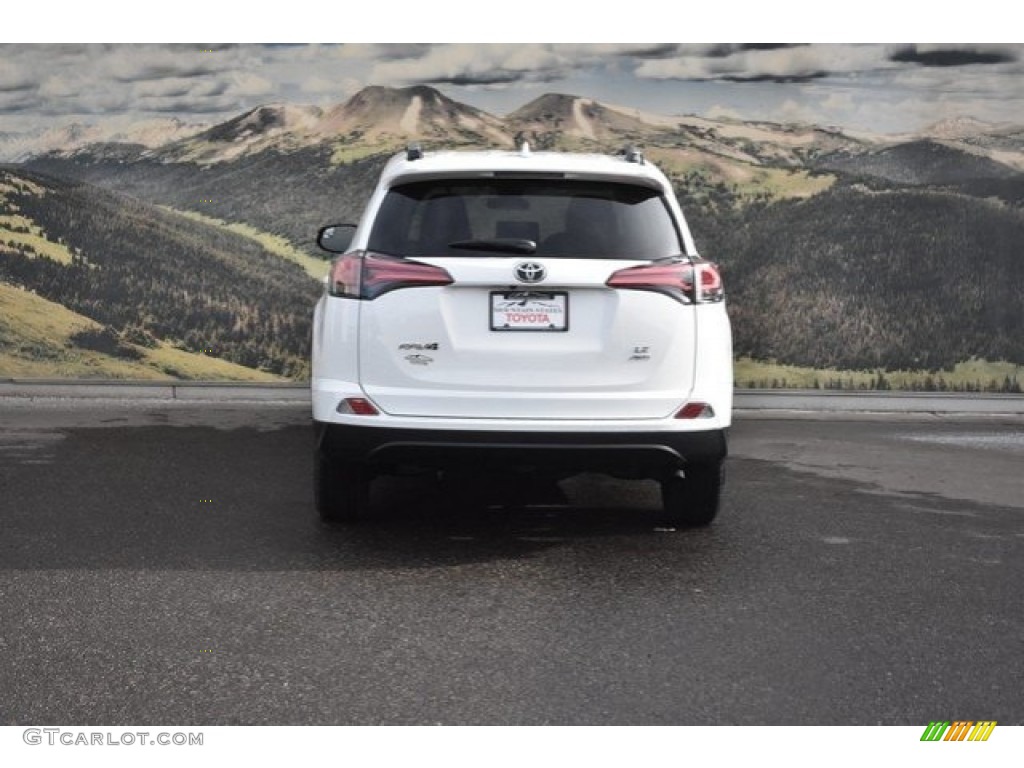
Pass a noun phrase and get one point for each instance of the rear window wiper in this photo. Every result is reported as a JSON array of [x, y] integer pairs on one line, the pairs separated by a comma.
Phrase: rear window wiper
[[497, 245]]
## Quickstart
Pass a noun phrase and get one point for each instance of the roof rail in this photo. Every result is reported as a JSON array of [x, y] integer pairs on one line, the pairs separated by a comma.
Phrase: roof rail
[[631, 154], [413, 151]]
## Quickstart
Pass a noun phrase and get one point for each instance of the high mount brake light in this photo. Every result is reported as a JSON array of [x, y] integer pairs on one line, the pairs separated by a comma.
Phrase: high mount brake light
[[366, 275], [675, 279]]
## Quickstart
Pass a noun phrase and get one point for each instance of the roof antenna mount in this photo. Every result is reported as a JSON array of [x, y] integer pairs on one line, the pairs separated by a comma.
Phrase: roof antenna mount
[[631, 154], [522, 144], [413, 151]]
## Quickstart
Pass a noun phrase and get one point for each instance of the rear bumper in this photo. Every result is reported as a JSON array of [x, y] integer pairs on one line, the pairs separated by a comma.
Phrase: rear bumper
[[627, 454]]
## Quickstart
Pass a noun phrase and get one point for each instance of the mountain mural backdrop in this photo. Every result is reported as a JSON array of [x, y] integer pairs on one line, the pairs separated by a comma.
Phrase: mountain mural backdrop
[[186, 251]]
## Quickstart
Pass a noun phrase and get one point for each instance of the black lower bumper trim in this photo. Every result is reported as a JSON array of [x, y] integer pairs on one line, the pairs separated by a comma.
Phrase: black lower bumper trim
[[639, 454]]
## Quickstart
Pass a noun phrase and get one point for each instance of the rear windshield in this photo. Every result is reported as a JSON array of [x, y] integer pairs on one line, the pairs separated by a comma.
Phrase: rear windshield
[[562, 218]]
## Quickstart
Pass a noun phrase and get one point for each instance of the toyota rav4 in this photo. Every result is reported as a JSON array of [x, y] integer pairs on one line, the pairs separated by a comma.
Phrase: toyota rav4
[[543, 312]]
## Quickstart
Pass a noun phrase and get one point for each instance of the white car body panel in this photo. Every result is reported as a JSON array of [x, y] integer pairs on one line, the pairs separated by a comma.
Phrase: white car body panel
[[629, 361], [431, 351]]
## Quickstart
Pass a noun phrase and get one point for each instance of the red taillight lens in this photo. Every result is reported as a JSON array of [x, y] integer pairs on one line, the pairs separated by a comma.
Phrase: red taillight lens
[[649, 277], [368, 275], [711, 288], [345, 277], [387, 273], [675, 279]]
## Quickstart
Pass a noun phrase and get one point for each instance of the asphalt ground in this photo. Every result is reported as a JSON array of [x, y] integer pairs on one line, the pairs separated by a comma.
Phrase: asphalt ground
[[162, 564]]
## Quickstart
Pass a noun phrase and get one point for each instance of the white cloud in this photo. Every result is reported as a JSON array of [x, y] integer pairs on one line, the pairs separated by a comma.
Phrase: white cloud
[[249, 84], [319, 85], [468, 63], [779, 63], [14, 77], [58, 86], [844, 83], [129, 63]]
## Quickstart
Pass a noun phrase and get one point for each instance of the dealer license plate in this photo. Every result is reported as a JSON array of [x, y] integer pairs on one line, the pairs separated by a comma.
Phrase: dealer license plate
[[530, 311]]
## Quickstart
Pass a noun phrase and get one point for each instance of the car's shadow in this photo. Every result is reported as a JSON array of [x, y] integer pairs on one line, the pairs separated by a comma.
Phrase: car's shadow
[[422, 522], [195, 498]]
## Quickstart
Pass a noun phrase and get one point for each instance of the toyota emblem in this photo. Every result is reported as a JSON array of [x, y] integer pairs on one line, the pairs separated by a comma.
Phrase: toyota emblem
[[530, 272]]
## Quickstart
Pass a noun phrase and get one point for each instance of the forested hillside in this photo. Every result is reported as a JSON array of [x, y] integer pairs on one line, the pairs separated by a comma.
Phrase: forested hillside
[[919, 163], [853, 277], [862, 279], [839, 253], [149, 275], [289, 194]]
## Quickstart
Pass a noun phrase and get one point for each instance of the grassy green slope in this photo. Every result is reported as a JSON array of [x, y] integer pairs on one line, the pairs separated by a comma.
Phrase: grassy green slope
[[315, 268], [156, 278], [835, 279], [968, 376], [37, 340]]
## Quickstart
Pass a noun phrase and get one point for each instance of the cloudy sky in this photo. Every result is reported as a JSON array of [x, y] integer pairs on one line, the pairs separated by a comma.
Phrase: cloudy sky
[[884, 88]]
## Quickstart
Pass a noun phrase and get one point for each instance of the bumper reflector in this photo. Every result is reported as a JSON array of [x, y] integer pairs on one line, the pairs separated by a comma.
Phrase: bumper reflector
[[357, 406], [696, 411]]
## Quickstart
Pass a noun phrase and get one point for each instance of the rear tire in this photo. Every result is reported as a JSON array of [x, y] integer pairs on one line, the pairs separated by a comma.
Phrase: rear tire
[[693, 500], [341, 489]]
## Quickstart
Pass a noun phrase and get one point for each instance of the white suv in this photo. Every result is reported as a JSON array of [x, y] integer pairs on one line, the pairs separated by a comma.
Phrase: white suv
[[543, 312]]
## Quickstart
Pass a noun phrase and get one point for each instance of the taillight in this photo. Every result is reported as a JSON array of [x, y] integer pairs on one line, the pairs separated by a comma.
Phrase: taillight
[[364, 275], [675, 279], [345, 277], [711, 288]]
